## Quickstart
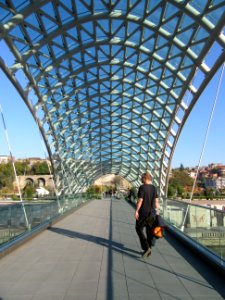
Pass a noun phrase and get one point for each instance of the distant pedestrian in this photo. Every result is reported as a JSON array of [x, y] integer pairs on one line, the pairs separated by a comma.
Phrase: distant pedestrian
[[129, 194], [146, 210]]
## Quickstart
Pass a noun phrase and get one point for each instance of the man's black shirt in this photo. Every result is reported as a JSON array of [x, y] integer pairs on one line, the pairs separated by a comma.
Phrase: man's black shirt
[[148, 193]]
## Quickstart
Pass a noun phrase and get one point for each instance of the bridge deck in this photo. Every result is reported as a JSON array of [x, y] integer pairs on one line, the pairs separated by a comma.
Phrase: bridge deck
[[94, 253]]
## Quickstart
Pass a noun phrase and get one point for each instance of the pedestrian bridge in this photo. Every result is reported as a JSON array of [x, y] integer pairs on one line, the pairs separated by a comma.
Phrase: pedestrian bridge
[[94, 253], [110, 85]]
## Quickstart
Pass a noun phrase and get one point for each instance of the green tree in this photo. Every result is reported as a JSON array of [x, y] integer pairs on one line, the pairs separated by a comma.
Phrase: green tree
[[181, 167], [40, 168], [180, 190], [171, 191], [181, 178], [179, 182], [94, 189], [29, 191], [21, 168], [209, 193], [6, 175]]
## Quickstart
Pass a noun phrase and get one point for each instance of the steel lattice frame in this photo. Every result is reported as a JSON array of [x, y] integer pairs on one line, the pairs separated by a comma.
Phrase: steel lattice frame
[[111, 83]]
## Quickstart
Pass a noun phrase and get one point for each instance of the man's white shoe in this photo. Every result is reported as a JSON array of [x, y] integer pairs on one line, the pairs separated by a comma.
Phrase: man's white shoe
[[147, 253]]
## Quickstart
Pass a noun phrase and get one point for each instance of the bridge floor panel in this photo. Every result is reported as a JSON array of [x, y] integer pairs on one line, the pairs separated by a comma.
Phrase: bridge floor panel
[[94, 253]]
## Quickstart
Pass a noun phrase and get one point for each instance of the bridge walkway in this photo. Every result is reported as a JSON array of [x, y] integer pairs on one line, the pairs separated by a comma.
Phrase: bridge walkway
[[94, 254]]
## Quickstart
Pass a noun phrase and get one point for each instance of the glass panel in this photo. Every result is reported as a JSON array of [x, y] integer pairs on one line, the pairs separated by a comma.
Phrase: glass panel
[[20, 4], [215, 15], [199, 6], [12, 218], [204, 225], [5, 15]]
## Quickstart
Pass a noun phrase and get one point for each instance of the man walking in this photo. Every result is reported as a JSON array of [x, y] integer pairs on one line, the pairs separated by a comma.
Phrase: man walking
[[147, 208]]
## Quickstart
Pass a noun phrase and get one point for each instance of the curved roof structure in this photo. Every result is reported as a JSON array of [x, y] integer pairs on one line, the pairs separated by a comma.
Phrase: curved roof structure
[[111, 83]]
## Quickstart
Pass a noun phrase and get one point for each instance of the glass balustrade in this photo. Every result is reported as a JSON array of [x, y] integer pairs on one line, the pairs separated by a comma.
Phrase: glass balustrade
[[203, 224], [13, 221]]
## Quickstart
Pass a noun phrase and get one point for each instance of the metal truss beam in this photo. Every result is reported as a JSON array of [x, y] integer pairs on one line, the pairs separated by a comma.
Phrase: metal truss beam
[[107, 82]]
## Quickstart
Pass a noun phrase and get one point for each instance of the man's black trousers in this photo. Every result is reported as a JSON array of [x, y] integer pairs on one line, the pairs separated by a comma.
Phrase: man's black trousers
[[146, 239]]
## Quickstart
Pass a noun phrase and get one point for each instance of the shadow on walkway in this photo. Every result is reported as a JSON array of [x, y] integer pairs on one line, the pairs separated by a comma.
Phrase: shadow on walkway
[[118, 247], [199, 264], [196, 261], [50, 267], [216, 281]]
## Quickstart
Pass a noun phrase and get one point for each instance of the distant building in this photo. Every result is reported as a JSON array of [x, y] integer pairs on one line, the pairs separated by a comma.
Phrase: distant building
[[215, 166], [192, 174], [215, 183], [202, 175], [221, 171], [4, 159], [32, 160]]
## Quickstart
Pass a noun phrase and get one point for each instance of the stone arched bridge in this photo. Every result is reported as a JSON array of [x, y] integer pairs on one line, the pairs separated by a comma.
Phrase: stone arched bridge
[[35, 180]]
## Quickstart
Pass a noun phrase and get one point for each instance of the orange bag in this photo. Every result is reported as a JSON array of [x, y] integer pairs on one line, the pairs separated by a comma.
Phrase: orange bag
[[158, 227], [158, 232]]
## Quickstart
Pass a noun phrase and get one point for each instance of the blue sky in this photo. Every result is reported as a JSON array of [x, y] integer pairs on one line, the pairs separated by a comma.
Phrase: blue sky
[[23, 133], [25, 139], [189, 146]]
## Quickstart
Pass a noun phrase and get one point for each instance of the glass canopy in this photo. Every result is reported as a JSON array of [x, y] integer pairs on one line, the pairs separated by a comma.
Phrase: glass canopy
[[111, 83]]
